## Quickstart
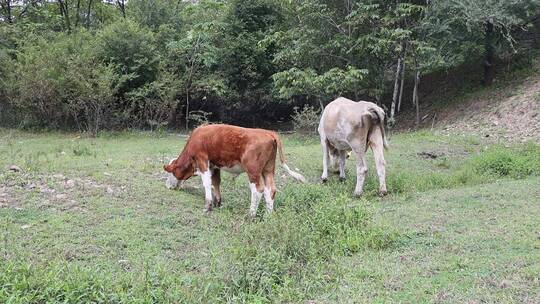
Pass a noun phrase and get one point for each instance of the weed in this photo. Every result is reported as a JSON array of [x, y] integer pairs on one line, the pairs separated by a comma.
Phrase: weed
[[82, 150], [306, 120]]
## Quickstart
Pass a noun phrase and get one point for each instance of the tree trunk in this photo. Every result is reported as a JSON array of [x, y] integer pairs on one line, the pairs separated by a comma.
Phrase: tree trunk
[[64, 11], [396, 91], [402, 85], [77, 13], [416, 100], [489, 69], [6, 7], [122, 6], [88, 9], [187, 109]]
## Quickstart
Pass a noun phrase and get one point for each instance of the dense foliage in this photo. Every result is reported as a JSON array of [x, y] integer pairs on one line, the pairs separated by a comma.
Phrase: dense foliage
[[152, 64]]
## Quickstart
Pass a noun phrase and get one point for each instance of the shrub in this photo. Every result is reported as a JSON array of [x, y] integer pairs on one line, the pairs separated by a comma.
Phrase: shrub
[[151, 105], [61, 82], [306, 120], [131, 49], [517, 162]]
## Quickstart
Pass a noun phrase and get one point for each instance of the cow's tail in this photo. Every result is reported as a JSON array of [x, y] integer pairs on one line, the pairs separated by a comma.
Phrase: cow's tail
[[377, 115], [299, 177]]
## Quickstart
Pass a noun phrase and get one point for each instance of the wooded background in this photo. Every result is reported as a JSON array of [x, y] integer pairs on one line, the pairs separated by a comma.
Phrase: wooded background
[[152, 64]]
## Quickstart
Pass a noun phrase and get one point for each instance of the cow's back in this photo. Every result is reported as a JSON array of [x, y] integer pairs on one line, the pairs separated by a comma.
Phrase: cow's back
[[225, 144], [341, 118]]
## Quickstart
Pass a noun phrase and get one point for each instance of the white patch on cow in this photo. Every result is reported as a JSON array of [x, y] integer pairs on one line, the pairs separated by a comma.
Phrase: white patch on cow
[[255, 199], [171, 182], [299, 177], [268, 199], [206, 177]]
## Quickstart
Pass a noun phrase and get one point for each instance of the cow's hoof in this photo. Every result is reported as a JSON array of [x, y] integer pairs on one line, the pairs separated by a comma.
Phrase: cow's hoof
[[324, 180], [358, 194], [217, 203], [382, 193], [341, 179], [207, 206]]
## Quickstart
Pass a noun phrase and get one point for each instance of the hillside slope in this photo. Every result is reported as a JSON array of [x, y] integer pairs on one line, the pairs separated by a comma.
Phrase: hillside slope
[[508, 111]]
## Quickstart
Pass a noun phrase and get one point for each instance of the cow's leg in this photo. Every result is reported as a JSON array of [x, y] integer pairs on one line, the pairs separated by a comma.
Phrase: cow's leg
[[376, 143], [206, 177], [216, 181], [341, 161], [256, 184], [334, 160], [361, 170], [358, 145], [269, 191], [326, 158]]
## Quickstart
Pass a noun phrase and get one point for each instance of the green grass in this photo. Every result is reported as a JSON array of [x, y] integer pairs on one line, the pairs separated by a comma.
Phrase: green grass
[[90, 220]]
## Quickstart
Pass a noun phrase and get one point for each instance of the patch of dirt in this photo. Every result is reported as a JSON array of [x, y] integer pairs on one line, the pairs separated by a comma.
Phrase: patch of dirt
[[510, 114], [55, 191]]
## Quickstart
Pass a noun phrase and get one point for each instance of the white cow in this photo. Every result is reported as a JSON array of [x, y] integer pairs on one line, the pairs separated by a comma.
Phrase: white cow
[[348, 125]]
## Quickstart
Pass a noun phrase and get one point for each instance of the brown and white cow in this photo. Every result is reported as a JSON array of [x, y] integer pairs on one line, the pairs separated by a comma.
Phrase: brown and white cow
[[348, 125], [212, 148]]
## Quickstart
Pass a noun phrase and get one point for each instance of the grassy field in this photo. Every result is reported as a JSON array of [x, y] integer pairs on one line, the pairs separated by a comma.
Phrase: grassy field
[[90, 220]]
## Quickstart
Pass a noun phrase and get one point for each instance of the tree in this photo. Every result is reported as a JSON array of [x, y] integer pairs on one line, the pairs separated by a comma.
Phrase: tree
[[349, 36], [5, 6], [131, 49], [195, 55], [486, 25]]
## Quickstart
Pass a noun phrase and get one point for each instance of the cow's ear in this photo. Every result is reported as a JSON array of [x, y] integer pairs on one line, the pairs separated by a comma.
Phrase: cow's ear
[[168, 168]]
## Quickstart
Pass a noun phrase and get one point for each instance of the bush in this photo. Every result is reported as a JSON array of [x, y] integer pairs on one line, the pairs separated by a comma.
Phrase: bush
[[61, 82], [306, 120], [152, 105], [131, 49]]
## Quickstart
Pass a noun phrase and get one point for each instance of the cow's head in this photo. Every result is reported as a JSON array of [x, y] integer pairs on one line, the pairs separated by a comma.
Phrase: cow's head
[[181, 168]]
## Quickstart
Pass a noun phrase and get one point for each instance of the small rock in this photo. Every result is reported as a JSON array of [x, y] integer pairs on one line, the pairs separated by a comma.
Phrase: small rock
[[26, 226], [504, 284], [61, 196], [110, 190], [123, 261], [15, 168], [59, 176], [31, 186], [69, 184], [107, 173]]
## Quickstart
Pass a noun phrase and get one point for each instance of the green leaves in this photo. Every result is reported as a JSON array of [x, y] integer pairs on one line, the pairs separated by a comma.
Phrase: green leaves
[[334, 82]]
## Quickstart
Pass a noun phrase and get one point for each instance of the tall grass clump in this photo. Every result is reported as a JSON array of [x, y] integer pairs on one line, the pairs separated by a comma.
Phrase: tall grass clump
[[289, 255], [60, 282], [517, 162], [497, 161]]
